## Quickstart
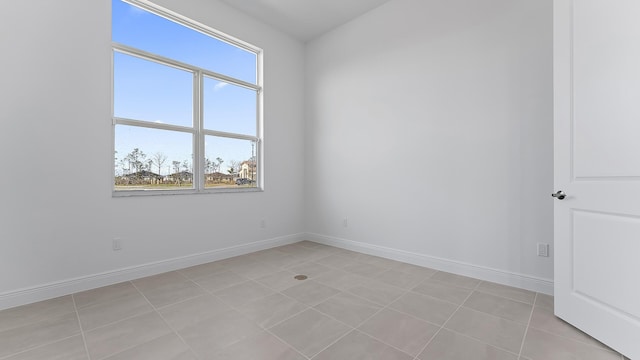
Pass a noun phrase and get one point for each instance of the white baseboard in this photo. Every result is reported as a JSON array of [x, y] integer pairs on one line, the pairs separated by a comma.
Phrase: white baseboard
[[70, 286], [522, 281]]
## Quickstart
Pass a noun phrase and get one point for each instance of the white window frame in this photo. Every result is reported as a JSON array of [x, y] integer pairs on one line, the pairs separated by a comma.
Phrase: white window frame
[[197, 131]]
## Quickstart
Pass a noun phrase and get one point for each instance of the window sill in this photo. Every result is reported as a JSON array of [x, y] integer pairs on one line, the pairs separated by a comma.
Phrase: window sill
[[130, 193]]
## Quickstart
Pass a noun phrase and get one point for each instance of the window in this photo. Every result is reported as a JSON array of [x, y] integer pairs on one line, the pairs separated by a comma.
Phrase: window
[[186, 105]]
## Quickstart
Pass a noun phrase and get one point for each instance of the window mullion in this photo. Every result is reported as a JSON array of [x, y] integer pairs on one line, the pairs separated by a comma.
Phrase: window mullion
[[198, 153], [152, 125], [229, 135]]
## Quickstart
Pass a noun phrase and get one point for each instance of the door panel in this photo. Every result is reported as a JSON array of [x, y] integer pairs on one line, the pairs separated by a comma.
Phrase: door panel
[[597, 164], [605, 71], [600, 243]]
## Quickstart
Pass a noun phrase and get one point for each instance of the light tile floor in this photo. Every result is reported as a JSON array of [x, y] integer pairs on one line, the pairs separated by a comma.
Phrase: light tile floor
[[352, 306]]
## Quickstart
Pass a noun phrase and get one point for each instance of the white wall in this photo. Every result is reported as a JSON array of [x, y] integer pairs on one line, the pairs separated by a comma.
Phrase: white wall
[[430, 128], [57, 215]]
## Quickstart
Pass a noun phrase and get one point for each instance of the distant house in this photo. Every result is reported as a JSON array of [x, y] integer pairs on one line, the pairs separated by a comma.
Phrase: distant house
[[217, 177], [182, 176], [248, 170], [140, 177]]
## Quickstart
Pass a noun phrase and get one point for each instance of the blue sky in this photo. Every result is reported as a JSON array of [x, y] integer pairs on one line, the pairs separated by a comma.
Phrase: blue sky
[[148, 91]]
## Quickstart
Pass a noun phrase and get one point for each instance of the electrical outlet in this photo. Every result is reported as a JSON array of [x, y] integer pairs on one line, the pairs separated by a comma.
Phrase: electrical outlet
[[116, 245], [345, 222], [543, 249], [263, 223]]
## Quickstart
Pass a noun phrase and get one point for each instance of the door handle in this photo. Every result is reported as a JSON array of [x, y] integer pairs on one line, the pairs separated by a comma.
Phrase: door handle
[[559, 195]]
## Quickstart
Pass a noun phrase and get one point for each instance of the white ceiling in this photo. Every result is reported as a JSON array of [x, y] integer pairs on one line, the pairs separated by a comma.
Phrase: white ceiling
[[305, 19]]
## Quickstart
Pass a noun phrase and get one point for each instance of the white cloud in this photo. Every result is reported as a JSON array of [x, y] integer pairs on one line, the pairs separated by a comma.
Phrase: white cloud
[[136, 11], [220, 86]]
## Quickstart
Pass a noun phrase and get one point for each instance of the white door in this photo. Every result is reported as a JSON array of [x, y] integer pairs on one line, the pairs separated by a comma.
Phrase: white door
[[597, 166]]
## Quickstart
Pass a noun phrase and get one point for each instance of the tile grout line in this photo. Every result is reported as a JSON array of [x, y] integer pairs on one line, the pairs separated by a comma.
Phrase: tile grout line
[[179, 302], [508, 298], [195, 281], [285, 319], [389, 345], [129, 318], [233, 306], [495, 317], [206, 292], [354, 328], [526, 330], [430, 297], [383, 307], [246, 317], [483, 342], [211, 292], [584, 343], [335, 341], [3, 357], [46, 343], [114, 300], [282, 340], [165, 321], [367, 319], [84, 340], [268, 330], [458, 308], [567, 338], [401, 312], [445, 323]]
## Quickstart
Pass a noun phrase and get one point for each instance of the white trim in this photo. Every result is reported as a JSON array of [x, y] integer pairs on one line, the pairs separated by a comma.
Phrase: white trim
[[197, 128], [229, 135], [162, 60], [153, 125], [518, 280], [71, 286], [185, 191], [195, 25]]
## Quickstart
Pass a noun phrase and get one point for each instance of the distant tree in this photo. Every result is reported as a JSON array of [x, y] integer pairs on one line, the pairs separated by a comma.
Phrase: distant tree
[[159, 159], [124, 165], [219, 165], [176, 171], [115, 161], [148, 178], [186, 167], [234, 167], [136, 160]]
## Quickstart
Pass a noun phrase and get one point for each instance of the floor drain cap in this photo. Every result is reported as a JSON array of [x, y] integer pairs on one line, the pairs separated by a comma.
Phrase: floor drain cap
[[300, 277]]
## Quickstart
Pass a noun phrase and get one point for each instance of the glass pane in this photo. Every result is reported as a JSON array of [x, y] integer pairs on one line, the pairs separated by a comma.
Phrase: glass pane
[[230, 162], [152, 159], [146, 90], [229, 107], [143, 30]]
